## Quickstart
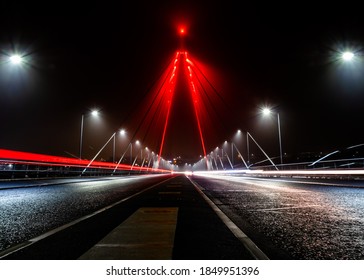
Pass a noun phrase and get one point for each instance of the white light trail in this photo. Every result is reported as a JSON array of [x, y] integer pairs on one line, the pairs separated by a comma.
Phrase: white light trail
[[282, 172]]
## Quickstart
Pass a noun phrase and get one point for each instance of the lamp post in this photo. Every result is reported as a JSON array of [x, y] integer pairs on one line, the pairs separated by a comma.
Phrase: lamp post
[[247, 147], [267, 111], [94, 113], [232, 153], [131, 153], [226, 153], [236, 139], [122, 133], [137, 142], [113, 148]]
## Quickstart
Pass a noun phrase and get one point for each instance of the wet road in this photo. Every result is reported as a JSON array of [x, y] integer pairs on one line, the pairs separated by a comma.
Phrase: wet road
[[35, 207], [302, 220], [287, 219]]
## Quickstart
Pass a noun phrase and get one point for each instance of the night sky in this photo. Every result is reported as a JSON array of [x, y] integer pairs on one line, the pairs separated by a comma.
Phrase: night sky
[[108, 56]]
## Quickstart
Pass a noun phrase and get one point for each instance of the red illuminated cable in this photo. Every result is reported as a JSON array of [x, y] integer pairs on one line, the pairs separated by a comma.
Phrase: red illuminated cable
[[153, 102], [195, 106], [171, 93], [199, 127], [158, 112]]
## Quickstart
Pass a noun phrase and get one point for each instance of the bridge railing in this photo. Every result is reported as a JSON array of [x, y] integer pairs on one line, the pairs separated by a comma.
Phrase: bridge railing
[[348, 163], [11, 170], [15, 164]]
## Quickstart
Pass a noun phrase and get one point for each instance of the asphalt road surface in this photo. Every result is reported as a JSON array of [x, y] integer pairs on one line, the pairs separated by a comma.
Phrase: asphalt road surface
[[285, 219], [303, 218]]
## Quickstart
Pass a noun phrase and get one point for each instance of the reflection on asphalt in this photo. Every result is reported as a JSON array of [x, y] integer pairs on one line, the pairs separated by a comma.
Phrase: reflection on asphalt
[[308, 221]]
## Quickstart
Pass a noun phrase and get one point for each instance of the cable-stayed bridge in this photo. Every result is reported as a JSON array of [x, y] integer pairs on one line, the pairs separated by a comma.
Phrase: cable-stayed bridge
[[229, 203]]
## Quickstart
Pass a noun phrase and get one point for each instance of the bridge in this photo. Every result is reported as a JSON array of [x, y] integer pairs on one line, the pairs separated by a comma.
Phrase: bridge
[[225, 203]]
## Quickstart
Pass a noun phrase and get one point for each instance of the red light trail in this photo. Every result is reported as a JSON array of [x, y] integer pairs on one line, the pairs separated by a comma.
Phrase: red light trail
[[17, 157]]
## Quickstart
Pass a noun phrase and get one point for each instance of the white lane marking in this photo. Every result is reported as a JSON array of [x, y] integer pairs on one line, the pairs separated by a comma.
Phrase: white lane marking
[[285, 208], [243, 238], [147, 234], [25, 244]]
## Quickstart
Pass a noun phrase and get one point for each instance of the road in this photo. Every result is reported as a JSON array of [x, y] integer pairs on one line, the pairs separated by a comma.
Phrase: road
[[32, 207], [304, 218], [285, 218]]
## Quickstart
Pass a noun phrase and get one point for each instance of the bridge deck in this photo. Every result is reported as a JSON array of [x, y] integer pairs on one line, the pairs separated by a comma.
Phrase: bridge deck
[[170, 221]]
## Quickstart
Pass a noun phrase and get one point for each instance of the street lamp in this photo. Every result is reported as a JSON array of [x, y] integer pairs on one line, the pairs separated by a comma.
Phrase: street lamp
[[225, 145], [94, 113], [266, 111], [137, 142], [236, 138], [347, 56], [122, 133], [16, 59]]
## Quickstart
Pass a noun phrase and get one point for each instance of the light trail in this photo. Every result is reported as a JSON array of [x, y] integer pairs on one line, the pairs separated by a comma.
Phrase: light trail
[[17, 157], [82, 186], [274, 173]]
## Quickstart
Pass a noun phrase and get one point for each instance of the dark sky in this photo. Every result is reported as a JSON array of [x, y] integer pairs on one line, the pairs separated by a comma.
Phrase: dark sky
[[108, 56]]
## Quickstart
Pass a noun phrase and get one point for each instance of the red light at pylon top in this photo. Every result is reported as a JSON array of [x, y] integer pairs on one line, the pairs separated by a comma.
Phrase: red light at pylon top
[[182, 30]]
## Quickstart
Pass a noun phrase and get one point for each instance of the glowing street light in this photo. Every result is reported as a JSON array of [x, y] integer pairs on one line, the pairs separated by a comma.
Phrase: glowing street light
[[235, 138], [122, 133], [347, 56], [266, 111], [94, 113], [224, 145], [16, 59], [137, 142]]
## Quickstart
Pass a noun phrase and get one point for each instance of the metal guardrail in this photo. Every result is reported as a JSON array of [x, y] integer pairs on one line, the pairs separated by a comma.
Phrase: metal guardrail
[[349, 163], [19, 170]]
